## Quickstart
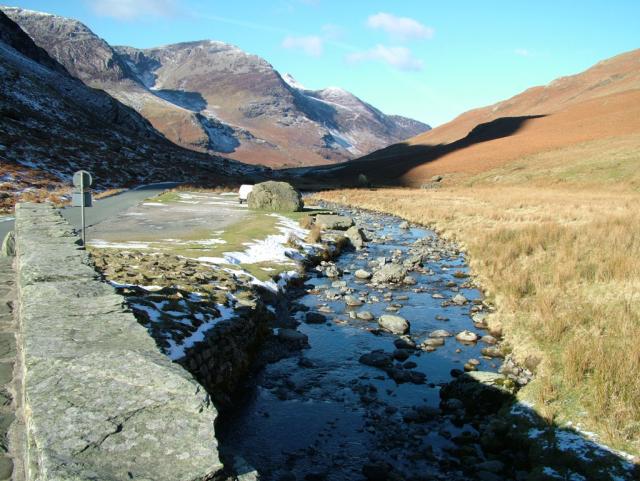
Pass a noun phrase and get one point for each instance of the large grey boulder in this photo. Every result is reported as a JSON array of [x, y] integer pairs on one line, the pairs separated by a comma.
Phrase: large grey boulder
[[275, 196], [389, 273], [334, 222]]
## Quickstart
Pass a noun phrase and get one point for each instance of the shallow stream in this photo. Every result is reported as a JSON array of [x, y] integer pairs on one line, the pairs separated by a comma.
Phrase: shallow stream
[[320, 413]]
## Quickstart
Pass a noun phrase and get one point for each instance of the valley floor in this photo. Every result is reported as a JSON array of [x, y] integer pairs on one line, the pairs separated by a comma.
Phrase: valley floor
[[563, 268]]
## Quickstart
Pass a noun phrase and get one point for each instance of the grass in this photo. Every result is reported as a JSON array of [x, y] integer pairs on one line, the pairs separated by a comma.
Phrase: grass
[[255, 225], [563, 268]]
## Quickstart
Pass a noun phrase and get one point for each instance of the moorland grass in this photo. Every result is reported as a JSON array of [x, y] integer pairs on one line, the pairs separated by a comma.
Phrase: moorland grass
[[563, 269]]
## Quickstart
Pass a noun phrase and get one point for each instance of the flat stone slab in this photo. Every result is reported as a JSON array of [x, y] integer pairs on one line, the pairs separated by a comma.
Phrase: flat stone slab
[[101, 401]]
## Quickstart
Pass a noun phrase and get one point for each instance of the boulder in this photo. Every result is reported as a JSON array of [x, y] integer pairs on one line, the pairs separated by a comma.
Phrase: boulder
[[333, 222], [440, 333], [390, 273], [314, 318], [352, 301], [275, 196], [362, 274], [433, 342], [459, 300], [293, 337], [8, 248], [377, 358], [355, 236], [467, 336], [394, 324], [481, 392]]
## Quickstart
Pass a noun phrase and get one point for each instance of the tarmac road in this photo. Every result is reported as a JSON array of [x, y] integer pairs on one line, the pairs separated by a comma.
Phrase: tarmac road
[[102, 209]]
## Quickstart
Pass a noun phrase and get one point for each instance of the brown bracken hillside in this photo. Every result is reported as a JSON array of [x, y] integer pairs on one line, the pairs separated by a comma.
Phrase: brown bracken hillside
[[599, 104]]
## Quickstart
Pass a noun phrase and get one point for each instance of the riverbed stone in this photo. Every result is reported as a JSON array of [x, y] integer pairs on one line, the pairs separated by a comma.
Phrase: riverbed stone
[[314, 318], [467, 336], [405, 342], [362, 274], [275, 196], [402, 354], [334, 222], [355, 236], [332, 271], [459, 300], [389, 273], [434, 342], [352, 301], [378, 358], [492, 351], [394, 324], [365, 315], [481, 392], [440, 333], [292, 336]]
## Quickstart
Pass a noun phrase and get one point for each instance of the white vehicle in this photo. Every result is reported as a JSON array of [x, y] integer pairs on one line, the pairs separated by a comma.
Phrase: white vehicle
[[243, 193]]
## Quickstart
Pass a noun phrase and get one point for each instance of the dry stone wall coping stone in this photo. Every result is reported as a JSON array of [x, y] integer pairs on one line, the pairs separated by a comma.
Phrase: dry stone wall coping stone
[[101, 401]]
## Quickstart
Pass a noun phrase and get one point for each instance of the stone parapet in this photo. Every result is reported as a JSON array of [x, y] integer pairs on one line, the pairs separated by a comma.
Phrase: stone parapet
[[100, 400]]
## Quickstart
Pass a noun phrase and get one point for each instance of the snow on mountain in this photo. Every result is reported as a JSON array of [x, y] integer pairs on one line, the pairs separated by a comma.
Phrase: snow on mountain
[[211, 97]]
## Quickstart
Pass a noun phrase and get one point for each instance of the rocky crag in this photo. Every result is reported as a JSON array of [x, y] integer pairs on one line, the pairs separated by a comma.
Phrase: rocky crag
[[53, 124]]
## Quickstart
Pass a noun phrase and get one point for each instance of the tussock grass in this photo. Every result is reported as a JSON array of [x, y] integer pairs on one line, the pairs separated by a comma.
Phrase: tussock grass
[[315, 234], [563, 268]]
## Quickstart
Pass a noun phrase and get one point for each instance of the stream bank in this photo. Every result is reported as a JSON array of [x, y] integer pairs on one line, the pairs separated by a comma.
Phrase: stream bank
[[360, 395], [332, 393]]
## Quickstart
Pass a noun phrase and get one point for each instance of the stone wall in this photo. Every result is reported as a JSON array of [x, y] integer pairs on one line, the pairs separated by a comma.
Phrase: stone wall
[[223, 359], [100, 400]]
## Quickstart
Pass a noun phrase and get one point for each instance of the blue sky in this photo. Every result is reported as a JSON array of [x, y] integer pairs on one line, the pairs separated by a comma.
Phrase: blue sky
[[424, 59]]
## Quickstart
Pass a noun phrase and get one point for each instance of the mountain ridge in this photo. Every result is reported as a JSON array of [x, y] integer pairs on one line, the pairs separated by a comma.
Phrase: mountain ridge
[[212, 97], [595, 105], [53, 124]]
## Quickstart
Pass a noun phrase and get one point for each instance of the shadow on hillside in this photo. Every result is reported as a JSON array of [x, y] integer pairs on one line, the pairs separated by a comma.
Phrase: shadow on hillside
[[388, 166], [193, 101], [528, 446]]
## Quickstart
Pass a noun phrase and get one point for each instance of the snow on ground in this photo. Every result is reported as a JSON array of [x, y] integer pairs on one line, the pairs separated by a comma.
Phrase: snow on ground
[[103, 244], [570, 438], [177, 351], [273, 248]]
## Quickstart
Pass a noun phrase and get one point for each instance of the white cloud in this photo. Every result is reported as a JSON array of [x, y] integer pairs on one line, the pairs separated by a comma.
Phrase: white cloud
[[523, 52], [132, 9], [400, 28], [312, 45], [398, 57]]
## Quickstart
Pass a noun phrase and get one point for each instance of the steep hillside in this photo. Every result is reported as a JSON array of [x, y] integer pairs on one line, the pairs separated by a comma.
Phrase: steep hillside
[[213, 97], [53, 124], [585, 113]]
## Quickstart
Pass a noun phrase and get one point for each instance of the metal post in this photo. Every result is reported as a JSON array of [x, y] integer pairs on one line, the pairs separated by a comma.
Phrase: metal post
[[82, 209]]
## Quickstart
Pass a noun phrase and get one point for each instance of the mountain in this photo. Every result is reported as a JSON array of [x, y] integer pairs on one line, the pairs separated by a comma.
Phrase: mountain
[[212, 97], [52, 124], [578, 115]]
